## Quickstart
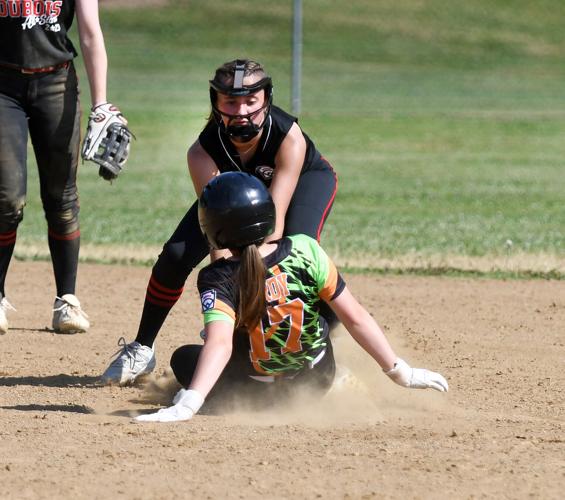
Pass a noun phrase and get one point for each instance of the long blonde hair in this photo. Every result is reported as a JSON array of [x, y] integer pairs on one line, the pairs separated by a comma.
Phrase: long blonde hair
[[251, 279]]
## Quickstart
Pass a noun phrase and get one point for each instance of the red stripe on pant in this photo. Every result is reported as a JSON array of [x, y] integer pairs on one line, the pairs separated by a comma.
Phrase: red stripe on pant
[[161, 295], [330, 203], [64, 237], [7, 239]]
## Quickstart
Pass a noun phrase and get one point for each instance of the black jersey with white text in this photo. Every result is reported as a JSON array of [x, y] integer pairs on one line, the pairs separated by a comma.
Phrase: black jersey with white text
[[218, 145], [291, 333], [33, 33]]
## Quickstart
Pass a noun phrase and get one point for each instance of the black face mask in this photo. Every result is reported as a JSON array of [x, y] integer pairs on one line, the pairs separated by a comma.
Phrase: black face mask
[[246, 131]]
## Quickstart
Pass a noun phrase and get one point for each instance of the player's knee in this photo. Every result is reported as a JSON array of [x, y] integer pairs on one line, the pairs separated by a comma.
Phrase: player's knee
[[173, 265], [173, 254], [183, 363], [63, 222], [11, 214]]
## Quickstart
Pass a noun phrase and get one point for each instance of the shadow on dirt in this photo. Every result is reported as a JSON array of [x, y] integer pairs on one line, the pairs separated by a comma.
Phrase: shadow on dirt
[[128, 413], [45, 329], [62, 380], [66, 408]]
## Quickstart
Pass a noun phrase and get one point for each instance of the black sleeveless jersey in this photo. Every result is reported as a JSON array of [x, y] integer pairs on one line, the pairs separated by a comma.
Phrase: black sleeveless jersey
[[262, 165], [33, 33]]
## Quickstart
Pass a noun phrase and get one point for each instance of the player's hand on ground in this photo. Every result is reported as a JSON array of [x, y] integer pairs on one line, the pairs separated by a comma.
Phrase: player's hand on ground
[[176, 413], [189, 397], [186, 405], [416, 378]]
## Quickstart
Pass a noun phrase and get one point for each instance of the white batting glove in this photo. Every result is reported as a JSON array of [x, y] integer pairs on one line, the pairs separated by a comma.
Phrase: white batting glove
[[186, 405], [416, 378]]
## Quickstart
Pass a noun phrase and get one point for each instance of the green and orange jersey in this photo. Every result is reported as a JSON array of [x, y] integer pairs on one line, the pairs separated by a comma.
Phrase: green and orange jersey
[[299, 276]]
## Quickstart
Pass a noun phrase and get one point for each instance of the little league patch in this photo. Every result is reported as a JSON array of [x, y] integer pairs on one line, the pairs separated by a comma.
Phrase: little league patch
[[208, 299]]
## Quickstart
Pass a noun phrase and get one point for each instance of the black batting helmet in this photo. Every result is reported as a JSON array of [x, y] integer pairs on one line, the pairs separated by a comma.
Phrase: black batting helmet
[[236, 210]]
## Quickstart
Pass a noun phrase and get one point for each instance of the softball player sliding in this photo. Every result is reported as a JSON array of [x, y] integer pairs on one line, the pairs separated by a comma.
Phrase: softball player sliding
[[264, 334]]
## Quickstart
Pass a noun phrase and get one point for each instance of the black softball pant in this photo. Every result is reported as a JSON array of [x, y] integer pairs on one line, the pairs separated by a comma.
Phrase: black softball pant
[[46, 107], [235, 386]]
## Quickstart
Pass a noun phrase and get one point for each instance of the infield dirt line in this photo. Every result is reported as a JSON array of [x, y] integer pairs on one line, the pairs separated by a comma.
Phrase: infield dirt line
[[517, 262]]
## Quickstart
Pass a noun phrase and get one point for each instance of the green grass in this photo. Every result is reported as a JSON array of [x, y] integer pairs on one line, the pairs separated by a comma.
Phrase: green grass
[[444, 120], [454, 272]]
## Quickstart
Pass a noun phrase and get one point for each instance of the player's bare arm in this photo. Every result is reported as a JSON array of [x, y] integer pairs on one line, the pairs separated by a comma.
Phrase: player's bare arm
[[201, 167], [93, 49], [363, 328], [214, 356], [289, 161], [212, 360]]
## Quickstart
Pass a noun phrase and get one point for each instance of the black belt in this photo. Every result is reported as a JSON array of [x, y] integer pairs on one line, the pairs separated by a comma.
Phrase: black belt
[[32, 71]]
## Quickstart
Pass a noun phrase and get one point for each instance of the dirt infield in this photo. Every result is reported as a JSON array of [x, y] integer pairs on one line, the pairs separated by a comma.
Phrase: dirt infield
[[499, 432]]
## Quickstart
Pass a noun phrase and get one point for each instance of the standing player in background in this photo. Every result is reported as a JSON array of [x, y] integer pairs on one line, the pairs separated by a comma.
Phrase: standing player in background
[[39, 96], [245, 132], [261, 306]]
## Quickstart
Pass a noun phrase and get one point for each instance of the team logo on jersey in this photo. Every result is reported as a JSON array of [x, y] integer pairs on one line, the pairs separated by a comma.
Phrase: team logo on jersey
[[208, 300], [44, 13], [264, 172]]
